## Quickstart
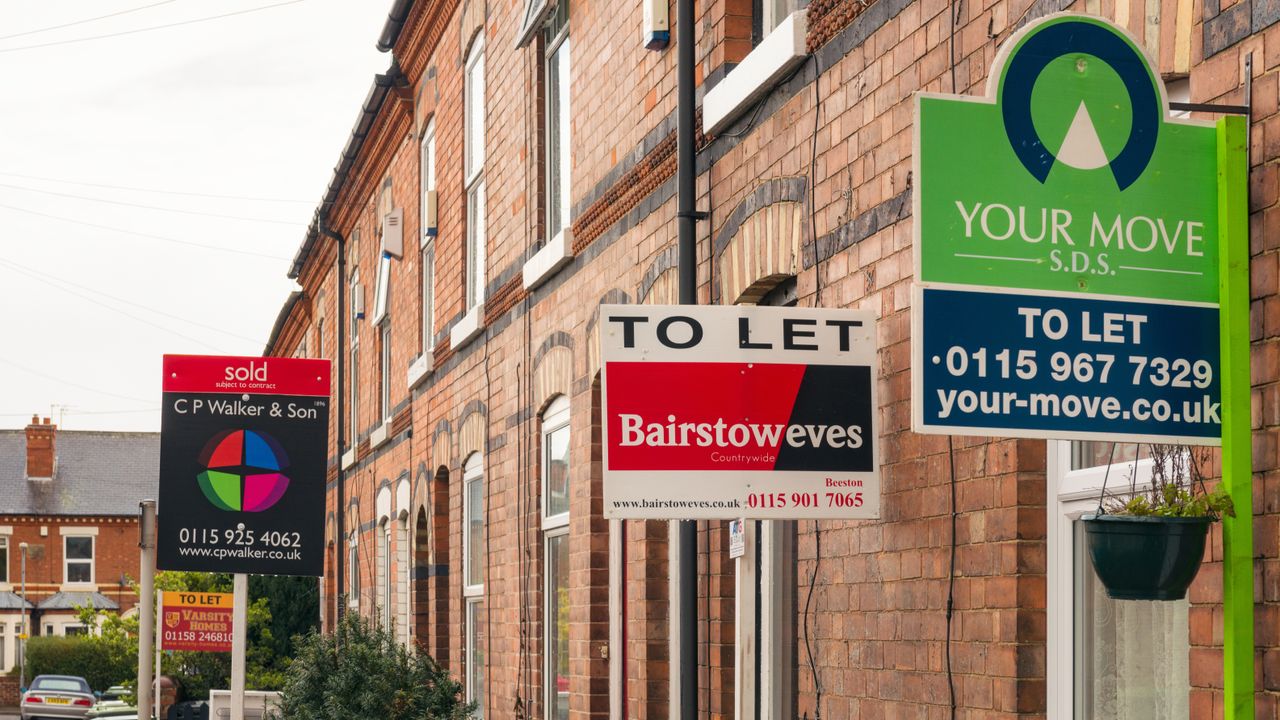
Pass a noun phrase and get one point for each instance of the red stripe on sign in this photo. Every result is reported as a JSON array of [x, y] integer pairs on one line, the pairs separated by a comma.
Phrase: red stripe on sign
[[698, 416], [253, 375]]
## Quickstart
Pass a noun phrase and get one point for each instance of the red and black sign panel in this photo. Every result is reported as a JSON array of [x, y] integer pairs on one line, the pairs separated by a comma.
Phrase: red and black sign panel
[[242, 465], [726, 412]]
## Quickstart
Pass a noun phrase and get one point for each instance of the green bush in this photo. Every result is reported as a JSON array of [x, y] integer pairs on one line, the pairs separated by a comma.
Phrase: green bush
[[362, 672], [101, 661]]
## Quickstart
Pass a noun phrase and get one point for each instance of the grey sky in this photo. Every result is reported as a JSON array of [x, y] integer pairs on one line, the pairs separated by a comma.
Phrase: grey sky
[[256, 105]]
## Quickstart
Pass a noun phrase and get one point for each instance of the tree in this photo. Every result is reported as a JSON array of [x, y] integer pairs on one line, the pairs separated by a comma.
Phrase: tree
[[372, 677]]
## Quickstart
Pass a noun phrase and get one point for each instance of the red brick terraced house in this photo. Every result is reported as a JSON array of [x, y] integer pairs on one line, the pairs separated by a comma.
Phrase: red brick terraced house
[[515, 167], [72, 498]]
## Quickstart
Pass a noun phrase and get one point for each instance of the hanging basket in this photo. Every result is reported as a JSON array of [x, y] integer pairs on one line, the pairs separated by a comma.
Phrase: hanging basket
[[1146, 558]]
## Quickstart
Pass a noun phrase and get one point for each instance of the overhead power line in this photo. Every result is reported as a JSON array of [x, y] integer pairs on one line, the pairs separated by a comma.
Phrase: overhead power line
[[73, 23], [135, 31], [143, 206], [47, 376], [131, 316], [157, 191], [136, 233], [59, 283]]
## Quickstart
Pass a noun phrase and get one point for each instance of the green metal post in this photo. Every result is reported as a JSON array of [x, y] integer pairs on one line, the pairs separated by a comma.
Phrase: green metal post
[[1237, 462]]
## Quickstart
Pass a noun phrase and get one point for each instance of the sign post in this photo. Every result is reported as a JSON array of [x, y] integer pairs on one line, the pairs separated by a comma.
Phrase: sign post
[[1082, 271], [739, 412], [242, 474]]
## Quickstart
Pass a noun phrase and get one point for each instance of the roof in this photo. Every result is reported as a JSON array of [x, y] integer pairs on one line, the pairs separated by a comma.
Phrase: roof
[[9, 601], [281, 318], [99, 473], [77, 600], [395, 23]]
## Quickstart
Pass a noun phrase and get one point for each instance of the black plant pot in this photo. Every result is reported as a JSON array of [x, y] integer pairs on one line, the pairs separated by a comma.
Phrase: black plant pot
[[1146, 558]]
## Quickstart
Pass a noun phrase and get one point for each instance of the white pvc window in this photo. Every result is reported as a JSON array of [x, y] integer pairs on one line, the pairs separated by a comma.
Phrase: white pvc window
[[353, 383], [558, 120], [77, 559], [1107, 659], [473, 525], [384, 362], [353, 571], [557, 624], [382, 289], [4, 566], [555, 464], [385, 610], [428, 248], [405, 579], [474, 166], [773, 12], [475, 658]]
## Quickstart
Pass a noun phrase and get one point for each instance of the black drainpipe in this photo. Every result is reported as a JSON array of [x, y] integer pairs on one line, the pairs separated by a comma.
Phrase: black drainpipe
[[687, 218], [341, 550]]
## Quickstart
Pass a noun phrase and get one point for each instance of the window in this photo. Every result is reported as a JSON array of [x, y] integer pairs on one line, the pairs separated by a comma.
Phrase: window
[[768, 15], [555, 525], [384, 369], [382, 289], [1107, 659], [74, 630], [558, 120], [428, 256], [4, 563], [405, 578], [473, 530], [385, 611], [353, 571], [354, 383], [474, 163], [475, 658], [78, 559], [320, 351]]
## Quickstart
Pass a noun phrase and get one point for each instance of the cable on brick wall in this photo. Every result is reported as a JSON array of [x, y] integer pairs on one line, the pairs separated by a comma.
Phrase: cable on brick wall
[[817, 302], [951, 574]]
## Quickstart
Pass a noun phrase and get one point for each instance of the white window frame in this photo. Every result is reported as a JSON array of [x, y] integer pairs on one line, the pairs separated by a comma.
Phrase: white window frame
[[559, 127], [472, 471], [554, 418], [382, 289], [353, 381], [427, 245], [384, 370], [67, 561], [404, 556], [353, 570], [4, 564], [472, 609], [550, 691], [475, 124], [1072, 493], [386, 598], [771, 16]]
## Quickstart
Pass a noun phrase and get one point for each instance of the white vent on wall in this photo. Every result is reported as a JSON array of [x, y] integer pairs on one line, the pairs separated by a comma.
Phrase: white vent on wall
[[393, 233]]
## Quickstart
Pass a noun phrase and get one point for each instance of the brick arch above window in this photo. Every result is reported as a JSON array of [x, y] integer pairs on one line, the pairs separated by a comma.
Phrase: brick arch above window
[[553, 375], [613, 297], [440, 444], [764, 237], [471, 435], [426, 98], [471, 26], [658, 270]]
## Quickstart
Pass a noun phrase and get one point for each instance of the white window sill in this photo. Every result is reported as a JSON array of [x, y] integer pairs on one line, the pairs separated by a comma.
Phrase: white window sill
[[348, 458], [468, 327], [380, 435], [547, 261], [78, 587], [419, 369], [759, 71]]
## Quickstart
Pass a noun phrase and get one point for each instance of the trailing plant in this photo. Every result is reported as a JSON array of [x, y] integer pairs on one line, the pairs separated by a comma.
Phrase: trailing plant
[[361, 671], [1178, 488]]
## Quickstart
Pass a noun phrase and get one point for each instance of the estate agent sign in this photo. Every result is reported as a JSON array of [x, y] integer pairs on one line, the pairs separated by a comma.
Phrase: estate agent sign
[[242, 465], [196, 621], [732, 412], [1067, 245]]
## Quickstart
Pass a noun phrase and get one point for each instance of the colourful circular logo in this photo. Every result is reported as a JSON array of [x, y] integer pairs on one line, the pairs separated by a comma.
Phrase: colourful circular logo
[[243, 471]]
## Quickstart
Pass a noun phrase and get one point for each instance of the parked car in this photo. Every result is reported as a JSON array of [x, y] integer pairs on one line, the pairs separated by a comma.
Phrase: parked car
[[57, 696]]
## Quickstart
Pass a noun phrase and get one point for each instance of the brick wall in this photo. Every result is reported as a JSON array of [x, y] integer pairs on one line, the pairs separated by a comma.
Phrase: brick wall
[[833, 212], [116, 558], [9, 695]]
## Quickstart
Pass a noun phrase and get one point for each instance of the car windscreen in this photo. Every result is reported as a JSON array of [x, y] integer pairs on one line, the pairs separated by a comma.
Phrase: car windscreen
[[60, 685]]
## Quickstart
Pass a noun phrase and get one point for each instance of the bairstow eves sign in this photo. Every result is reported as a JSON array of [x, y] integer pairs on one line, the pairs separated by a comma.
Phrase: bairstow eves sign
[[732, 412]]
